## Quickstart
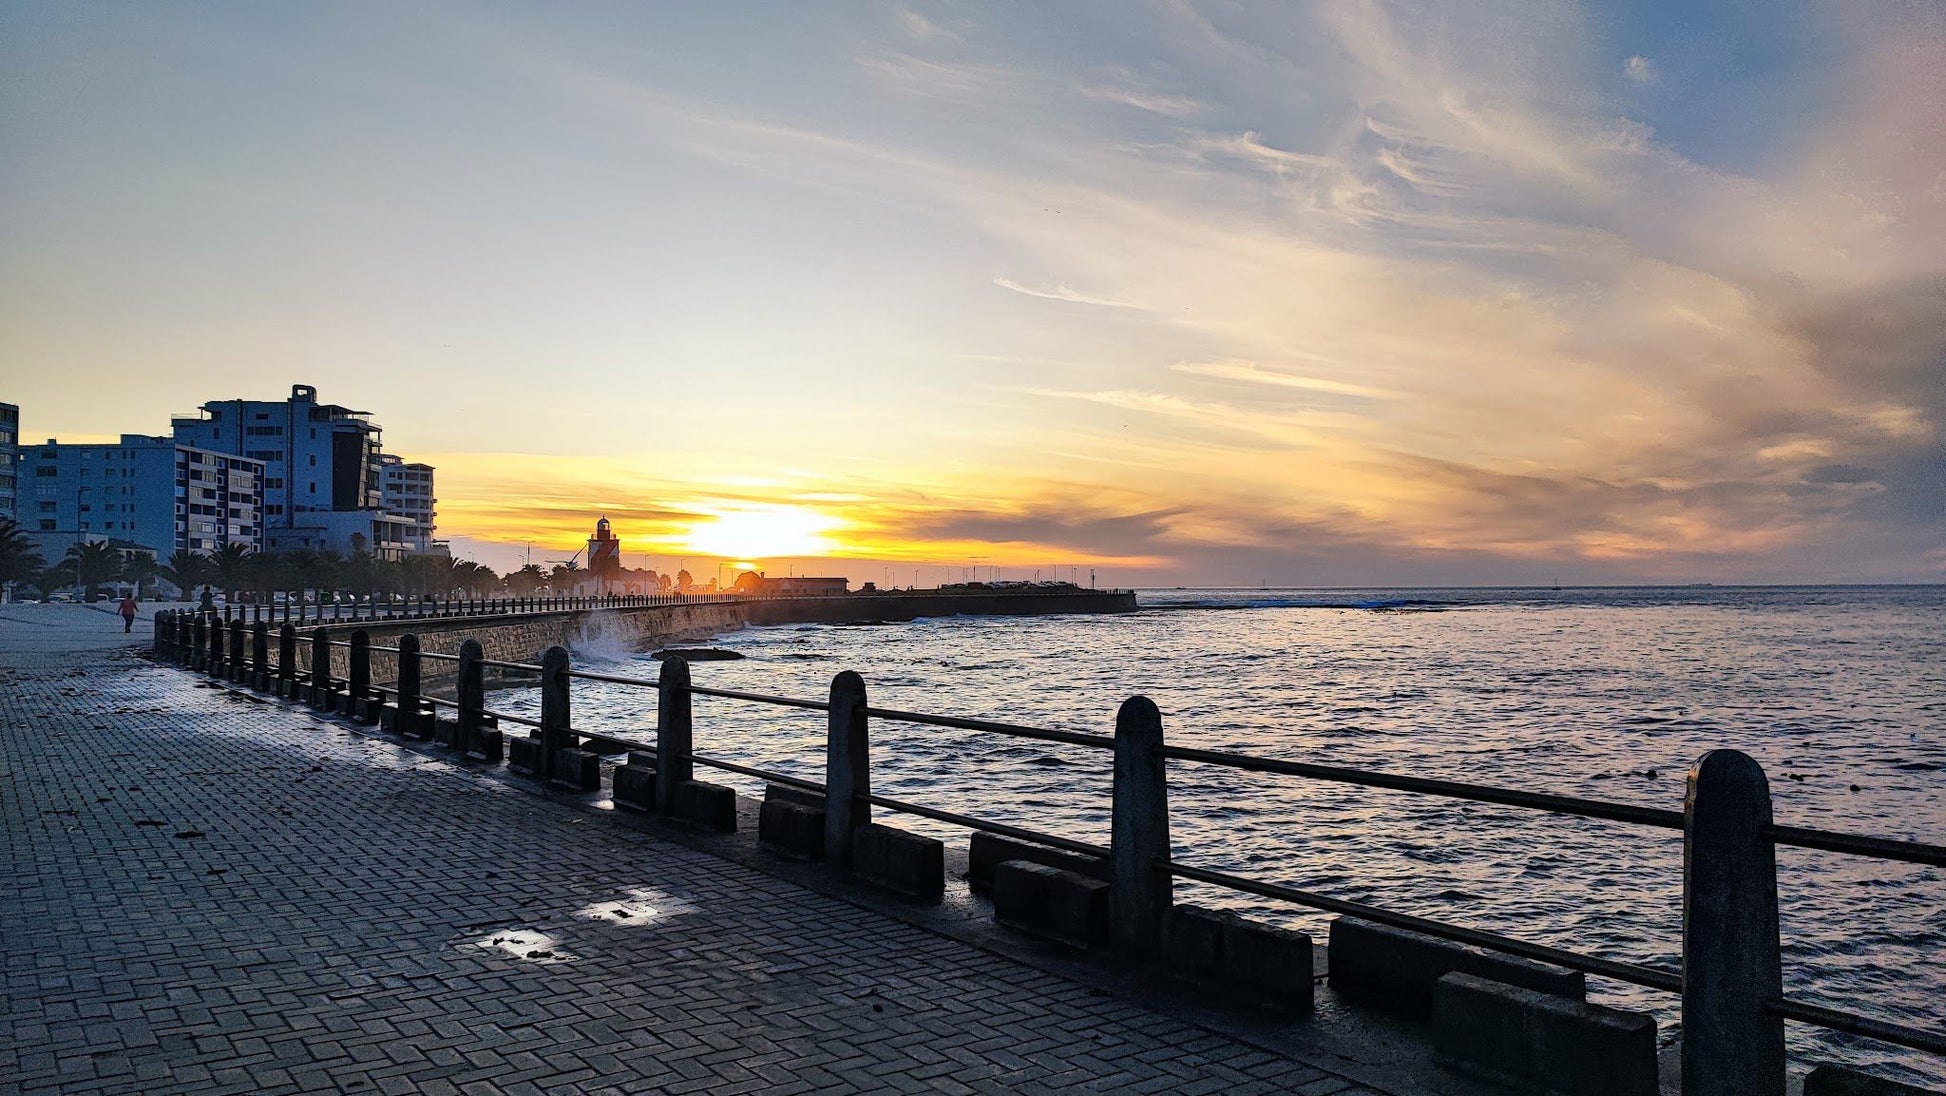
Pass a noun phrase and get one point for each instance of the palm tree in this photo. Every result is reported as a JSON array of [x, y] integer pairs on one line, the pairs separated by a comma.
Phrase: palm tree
[[436, 575], [138, 568], [360, 573], [300, 568], [475, 578], [187, 570], [232, 562], [90, 565], [525, 581], [19, 561], [328, 573], [263, 572]]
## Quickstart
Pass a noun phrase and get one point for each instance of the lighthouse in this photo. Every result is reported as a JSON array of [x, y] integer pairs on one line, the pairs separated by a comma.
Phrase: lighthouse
[[604, 555]]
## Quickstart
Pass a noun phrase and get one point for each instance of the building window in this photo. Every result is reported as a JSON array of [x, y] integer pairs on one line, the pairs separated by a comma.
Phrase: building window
[[47, 525], [46, 471]]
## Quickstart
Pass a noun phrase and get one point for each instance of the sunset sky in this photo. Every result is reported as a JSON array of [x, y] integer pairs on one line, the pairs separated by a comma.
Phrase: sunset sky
[[1314, 293]]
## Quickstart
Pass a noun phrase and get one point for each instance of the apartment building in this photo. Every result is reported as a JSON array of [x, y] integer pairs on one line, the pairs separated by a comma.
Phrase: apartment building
[[148, 491]]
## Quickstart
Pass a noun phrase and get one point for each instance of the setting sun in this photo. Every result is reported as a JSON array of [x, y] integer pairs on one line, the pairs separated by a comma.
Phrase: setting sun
[[763, 533]]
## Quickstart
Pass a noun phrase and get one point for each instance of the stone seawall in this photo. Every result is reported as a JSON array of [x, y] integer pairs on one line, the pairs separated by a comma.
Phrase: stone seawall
[[521, 637]]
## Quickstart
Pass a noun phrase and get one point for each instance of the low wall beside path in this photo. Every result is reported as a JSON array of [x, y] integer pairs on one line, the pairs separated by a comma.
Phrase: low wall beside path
[[520, 635]]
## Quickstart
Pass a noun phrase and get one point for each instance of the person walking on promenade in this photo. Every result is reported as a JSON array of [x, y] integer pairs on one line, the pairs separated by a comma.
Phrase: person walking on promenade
[[127, 609]]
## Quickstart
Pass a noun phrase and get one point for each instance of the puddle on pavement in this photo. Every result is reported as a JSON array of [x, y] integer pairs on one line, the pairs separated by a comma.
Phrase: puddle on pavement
[[637, 906], [529, 945]]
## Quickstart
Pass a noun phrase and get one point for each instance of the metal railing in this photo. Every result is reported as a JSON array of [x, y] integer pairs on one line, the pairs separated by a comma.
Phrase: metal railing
[[379, 608], [1733, 1003]]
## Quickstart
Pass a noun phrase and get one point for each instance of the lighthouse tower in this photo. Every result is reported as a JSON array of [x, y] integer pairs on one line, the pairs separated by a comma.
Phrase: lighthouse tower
[[604, 555]]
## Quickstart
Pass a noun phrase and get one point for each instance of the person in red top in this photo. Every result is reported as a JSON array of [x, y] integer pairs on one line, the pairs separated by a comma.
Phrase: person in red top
[[127, 609]]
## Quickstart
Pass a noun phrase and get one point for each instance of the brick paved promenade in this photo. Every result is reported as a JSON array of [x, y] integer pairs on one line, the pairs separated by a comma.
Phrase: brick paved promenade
[[207, 893]]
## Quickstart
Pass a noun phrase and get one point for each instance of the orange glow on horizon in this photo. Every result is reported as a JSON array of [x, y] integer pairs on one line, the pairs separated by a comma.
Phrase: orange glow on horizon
[[552, 501]]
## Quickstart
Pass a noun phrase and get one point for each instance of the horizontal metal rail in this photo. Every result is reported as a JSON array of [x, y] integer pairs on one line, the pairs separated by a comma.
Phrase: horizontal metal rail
[[760, 698], [1839, 1020], [1634, 973], [1882, 848], [756, 773], [969, 822], [438, 656], [1045, 734], [613, 679], [624, 743], [505, 718], [1879, 848], [497, 664], [1448, 789]]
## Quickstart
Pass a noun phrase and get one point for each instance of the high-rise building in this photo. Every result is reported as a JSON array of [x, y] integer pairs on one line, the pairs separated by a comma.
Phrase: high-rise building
[[323, 479], [142, 491], [407, 492], [9, 457]]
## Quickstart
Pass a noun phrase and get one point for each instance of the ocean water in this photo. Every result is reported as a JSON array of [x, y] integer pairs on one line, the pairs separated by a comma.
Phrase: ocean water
[[1840, 693]]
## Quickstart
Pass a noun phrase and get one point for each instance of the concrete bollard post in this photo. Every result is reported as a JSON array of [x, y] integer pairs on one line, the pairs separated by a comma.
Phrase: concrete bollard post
[[234, 666], [472, 695], [555, 722], [287, 660], [1139, 831], [260, 655], [214, 665], [358, 671], [408, 684], [320, 667], [674, 733], [1731, 962], [847, 767]]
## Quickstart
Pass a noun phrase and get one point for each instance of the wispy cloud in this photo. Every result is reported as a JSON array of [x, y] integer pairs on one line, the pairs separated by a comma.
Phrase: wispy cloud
[[1253, 373], [1168, 106], [1641, 70], [1063, 293]]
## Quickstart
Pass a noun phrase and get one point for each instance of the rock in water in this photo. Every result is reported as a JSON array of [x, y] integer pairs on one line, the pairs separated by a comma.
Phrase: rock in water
[[698, 654]]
